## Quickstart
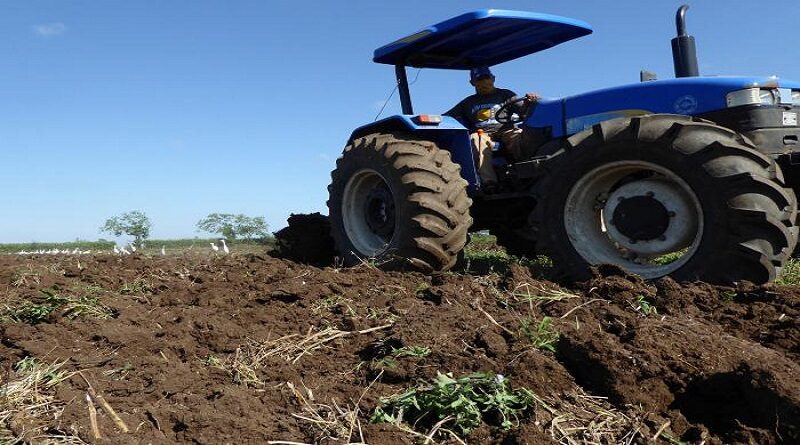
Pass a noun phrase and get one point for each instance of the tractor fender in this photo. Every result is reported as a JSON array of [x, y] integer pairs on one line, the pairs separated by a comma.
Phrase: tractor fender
[[448, 134]]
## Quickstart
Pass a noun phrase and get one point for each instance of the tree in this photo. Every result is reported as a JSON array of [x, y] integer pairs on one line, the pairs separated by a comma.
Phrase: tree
[[135, 224], [233, 227]]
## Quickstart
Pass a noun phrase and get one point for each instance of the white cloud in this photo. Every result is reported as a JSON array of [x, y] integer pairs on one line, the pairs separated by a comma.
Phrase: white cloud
[[50, 29]]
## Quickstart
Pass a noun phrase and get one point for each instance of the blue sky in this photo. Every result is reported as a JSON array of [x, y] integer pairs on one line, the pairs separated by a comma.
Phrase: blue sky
[[184, 108]]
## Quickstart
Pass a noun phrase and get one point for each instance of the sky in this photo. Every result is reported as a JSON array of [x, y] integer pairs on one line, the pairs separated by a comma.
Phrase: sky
[[184, 108]]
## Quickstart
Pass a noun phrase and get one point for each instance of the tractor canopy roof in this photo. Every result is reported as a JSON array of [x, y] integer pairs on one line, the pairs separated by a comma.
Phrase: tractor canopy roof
[[484, 37]]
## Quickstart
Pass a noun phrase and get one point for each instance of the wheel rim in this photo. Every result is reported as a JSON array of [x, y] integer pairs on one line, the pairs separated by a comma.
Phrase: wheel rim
[[635, 214], [368, 212]]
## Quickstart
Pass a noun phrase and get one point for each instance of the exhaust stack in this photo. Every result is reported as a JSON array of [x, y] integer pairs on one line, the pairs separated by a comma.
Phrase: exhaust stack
[[684, 52]]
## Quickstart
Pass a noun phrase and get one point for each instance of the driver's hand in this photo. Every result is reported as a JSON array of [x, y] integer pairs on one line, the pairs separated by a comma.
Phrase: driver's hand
[[532, 97]]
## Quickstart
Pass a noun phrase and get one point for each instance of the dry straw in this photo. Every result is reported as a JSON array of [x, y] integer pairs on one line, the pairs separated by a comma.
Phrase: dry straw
[[248, 359], [26, 397]]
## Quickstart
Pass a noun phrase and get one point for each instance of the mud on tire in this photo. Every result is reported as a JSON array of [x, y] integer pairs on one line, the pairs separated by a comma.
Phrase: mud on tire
[[738, 216], [400, 201]]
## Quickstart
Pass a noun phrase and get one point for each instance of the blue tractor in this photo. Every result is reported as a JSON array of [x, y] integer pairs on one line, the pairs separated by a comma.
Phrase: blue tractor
[[692, 177]]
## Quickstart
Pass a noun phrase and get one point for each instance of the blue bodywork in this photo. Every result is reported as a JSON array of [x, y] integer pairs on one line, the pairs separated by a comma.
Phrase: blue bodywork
[[489, 37], [688, 96]]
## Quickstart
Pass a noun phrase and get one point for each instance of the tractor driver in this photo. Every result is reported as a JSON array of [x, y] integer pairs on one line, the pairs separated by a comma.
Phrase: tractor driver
[[477, 113]]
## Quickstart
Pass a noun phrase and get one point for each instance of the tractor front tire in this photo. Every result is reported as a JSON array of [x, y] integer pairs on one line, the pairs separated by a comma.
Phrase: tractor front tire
[[666, 195], [399, 202]]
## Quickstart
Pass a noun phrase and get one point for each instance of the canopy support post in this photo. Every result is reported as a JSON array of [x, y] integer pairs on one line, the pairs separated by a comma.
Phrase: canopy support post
[[402, 87]]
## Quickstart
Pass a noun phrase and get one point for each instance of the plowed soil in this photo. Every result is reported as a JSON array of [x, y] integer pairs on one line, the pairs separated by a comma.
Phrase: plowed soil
[[635, 361]]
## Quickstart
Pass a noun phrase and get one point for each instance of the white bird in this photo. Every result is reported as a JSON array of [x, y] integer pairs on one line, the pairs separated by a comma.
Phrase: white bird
[[214, 246], [225, 247], [124, 250], [133, 248], [163, 250], [116, 249]]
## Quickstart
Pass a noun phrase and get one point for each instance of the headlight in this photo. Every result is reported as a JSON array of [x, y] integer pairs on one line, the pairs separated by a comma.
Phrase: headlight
[[757, 96], [743, 97], [796, 97], [768, 97]]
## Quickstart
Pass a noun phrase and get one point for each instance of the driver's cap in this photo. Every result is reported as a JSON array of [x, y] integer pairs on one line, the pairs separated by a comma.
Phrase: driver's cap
[[478, 72]]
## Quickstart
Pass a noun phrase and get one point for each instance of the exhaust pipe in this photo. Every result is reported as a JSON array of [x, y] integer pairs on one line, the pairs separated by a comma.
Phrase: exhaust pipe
[[684, 52]]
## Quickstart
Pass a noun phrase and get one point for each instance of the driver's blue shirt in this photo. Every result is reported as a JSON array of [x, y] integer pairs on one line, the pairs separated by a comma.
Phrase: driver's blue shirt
[[478, 111]]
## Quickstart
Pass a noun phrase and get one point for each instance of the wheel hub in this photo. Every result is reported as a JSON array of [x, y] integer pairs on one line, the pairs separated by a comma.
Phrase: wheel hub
[[379, 210], [641, 218], [650, 217]]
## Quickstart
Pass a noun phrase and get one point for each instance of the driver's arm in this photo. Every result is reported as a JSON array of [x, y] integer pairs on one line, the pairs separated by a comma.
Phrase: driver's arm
[[457, 113], [522, 107]]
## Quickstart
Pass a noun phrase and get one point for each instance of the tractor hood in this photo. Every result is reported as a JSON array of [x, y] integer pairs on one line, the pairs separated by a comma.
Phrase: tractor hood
[[484, 37]]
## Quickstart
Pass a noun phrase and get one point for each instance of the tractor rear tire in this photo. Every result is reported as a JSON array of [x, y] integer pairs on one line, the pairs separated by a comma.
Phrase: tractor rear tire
[[628, 190], [399, 202]]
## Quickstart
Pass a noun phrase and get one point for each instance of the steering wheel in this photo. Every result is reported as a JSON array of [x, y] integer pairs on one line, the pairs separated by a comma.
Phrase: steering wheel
[[506, 116]]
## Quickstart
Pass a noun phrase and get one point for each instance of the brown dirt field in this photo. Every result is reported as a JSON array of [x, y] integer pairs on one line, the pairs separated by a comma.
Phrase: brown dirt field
[[714, 365]]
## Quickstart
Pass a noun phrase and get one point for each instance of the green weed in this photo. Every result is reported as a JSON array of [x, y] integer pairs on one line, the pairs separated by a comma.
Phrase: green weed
[[385, 362], [46, 375], [87, 307], [541, 335], [411, 351], [457, 404], [37, 312], [119, 373], [644, 307], [30, 313], [212, 360], [390, 360], [382, 314], [91, 289], [138, 286], [670, 257], [335, 304], [790, 274]]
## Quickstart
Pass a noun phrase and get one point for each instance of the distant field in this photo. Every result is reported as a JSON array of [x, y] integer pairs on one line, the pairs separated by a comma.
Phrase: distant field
[[482, 254], [171, 246]]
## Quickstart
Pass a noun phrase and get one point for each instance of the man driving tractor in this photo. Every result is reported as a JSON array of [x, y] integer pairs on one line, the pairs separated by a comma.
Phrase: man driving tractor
[[478, 113]]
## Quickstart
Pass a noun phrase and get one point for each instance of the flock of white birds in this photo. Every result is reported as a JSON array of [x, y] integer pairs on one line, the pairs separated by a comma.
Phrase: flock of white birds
[[126, 249], [75, 251]]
